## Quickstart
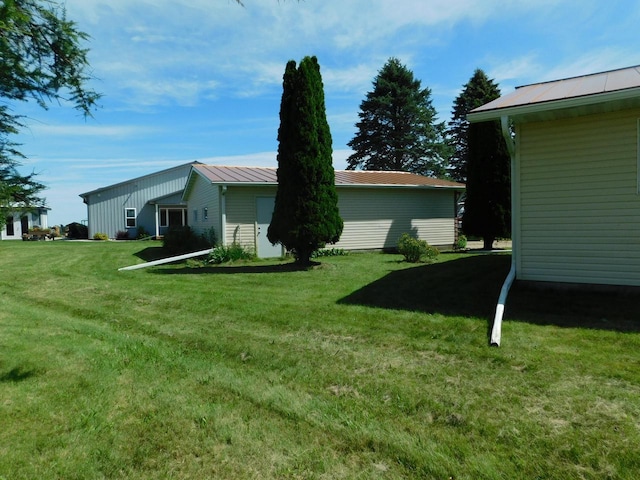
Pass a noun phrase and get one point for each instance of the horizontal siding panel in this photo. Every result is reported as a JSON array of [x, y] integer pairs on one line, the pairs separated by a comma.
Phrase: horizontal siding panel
[[580, 211]]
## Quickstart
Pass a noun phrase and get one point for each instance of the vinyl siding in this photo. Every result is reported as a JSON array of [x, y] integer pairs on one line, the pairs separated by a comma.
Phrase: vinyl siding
[[374, 218], [579, 202], [204, 195], [241, 213]]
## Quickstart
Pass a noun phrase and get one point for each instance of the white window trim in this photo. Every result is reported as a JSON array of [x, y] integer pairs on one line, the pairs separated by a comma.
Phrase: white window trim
[[127, 217]]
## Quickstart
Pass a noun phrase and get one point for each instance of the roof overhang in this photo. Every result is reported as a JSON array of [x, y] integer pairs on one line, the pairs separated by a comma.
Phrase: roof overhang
[[562, 108]]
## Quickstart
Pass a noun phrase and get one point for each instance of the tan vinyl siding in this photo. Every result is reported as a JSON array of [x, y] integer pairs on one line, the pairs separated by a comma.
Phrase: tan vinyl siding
[[375, 218], [204, 195], [241, 213], [580, 208]]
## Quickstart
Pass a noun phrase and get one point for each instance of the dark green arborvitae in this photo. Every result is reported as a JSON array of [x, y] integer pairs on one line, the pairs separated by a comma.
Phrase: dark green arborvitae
[[478, 91], [487, 208], [306, 215], [397, 128]]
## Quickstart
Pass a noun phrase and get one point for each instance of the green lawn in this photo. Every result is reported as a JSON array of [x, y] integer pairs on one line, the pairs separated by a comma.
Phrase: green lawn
[[362, 367]]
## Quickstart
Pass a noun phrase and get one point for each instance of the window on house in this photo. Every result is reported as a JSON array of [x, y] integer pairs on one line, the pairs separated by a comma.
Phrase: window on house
[[10, 230], [130, 217], [205, 213], [171, 217]]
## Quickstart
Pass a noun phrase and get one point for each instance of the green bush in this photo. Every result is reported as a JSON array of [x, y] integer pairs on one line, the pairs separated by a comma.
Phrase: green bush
[[142, 233], [179, 240], [230, 253], [329, 252], [76, 230], [100, 236], [414, 249], [122, 235], [461, 244]]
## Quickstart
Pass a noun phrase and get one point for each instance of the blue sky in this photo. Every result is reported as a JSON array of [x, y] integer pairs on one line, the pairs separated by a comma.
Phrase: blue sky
[[188, 80]]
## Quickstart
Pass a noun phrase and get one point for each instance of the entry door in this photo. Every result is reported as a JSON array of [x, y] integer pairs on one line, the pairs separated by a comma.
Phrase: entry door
[[264, 212]]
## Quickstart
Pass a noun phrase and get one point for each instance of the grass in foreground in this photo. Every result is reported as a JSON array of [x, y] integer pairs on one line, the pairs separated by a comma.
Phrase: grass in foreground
[[364, 367]]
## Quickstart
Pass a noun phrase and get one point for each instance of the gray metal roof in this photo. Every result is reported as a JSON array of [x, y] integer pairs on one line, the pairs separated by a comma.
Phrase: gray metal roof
[[268, 175], [620, 85]]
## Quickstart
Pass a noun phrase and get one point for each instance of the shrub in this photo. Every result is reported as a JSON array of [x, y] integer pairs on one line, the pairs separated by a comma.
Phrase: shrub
[[179, 240], [329, 252], [100, 236], [142, 233], [414, 249], [461, 244], [122, 235], [77, 231], [210, 237], [230, 253]]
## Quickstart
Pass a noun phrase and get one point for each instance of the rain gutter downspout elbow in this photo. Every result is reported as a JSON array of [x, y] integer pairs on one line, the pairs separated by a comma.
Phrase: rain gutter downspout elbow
[[496, 330]]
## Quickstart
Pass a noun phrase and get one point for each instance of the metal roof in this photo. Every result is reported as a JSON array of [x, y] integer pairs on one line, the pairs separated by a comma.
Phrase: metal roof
[[268, 175], [613, 85]]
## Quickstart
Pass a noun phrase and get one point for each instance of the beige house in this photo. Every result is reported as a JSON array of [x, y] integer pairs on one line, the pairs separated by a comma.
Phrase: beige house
[[575, 178], [376, 207]]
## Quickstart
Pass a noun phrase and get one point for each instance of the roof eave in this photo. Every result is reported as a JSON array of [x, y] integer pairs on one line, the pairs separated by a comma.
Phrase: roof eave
[[562, 104]]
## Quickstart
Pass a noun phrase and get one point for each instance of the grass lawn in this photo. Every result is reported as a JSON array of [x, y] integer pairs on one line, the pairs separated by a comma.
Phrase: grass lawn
[[363, 367]]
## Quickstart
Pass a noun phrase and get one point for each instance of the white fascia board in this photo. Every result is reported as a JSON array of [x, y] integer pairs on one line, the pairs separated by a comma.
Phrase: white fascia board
[[565, 103]]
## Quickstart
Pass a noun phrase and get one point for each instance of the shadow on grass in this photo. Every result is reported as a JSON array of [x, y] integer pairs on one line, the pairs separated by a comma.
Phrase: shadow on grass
[[16, 374], [235, 269], [470, 286], [150, 254]]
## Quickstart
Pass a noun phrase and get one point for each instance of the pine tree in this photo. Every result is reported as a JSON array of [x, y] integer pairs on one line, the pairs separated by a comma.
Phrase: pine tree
[[397, 128], [487, 208], [306, 215], [478, 91]]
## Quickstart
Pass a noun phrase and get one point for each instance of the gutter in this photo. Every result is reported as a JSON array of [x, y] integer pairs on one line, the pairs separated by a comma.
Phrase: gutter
[[496, 330]]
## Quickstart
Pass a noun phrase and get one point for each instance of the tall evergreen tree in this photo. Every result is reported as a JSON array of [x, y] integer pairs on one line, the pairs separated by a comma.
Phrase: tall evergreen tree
[[487, 208], [397, 128], [477, 91], [306, 215], [41, 60]]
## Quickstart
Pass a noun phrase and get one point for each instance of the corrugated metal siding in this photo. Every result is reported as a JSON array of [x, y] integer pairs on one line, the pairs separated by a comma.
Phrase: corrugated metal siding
[[375, 218], [106, 206], [204, 195], [580, 208], [241, 213]]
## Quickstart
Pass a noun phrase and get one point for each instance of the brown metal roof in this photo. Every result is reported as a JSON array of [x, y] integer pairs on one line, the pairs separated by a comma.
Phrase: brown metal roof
[[567, 92], [267, 175]]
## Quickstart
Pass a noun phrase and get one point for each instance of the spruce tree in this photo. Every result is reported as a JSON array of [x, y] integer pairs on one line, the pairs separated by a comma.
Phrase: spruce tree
[[306, 215], [487, 208], [397, 128], [477, 91]]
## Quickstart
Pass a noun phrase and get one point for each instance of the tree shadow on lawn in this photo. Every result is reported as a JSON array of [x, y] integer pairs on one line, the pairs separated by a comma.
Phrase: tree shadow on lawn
[[235, 269], [470, 287]]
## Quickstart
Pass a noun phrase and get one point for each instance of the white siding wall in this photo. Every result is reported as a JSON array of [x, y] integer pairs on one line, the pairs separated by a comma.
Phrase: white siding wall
[[374, 218], [580, 208], [241, 213], [204, 195]]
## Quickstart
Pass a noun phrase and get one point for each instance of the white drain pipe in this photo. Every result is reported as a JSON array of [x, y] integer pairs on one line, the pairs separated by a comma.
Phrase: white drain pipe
[[167, 260], [496, 330]]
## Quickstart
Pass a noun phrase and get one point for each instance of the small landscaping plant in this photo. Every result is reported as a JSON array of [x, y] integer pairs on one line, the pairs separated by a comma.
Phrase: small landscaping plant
[[414, 250], [461, 243], [122, 235], [100, 236], [329, 252], [230, 253]]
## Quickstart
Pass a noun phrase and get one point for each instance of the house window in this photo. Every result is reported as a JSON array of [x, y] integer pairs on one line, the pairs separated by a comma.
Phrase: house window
[[10, 229], [130, 217], [205, 213]]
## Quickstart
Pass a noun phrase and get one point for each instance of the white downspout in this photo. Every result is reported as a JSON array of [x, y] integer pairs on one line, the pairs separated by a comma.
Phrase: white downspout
[[496, 331], [223, 215], [157, 222]]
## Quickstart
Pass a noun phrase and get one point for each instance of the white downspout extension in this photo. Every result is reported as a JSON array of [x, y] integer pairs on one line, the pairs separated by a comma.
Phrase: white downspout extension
[[496, 331], [157, 222]]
